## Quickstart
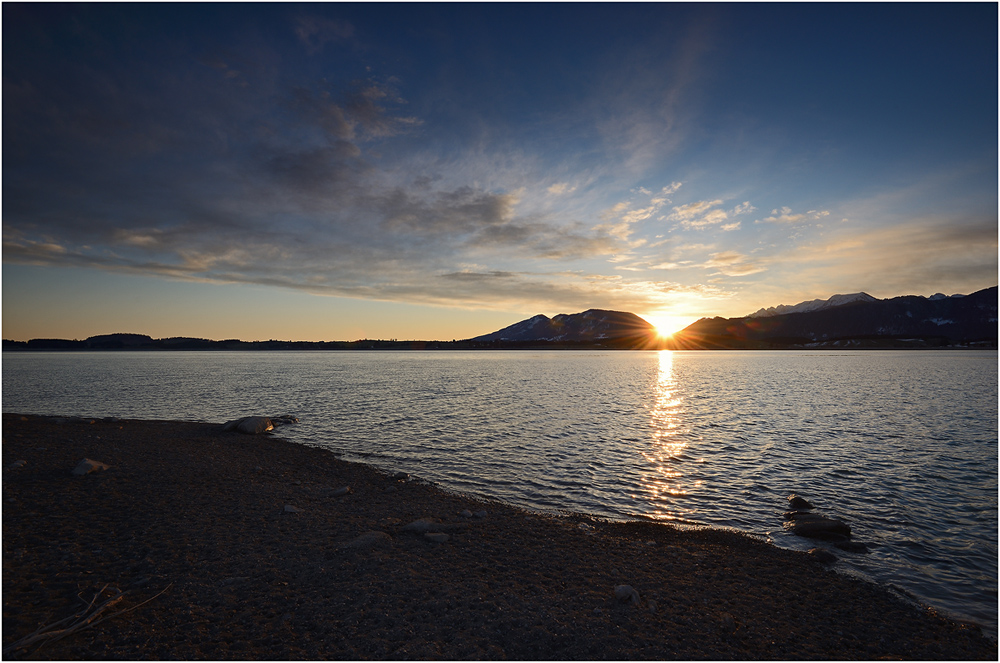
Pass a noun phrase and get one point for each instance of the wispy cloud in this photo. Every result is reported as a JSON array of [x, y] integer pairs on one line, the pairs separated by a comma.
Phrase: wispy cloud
[[561, 189], [627, 213], [315, 31], [913, 258], [785, 215], [732, 263], [699, 214]]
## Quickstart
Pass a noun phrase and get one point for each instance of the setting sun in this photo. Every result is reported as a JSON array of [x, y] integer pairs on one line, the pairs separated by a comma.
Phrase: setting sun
[[667, 325]]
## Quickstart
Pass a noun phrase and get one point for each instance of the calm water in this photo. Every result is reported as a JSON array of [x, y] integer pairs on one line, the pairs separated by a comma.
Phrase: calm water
[[902, 445]]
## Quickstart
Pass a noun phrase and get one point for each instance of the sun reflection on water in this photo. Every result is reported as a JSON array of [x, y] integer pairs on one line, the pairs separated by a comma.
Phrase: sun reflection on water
[[663, 479]]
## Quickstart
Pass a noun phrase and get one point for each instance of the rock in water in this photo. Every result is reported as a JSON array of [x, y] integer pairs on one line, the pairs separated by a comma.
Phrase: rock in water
[[852, 546], [823, 555], [797, 502], [250, 425], [625, 594], [255, 425], [815, 526], [86, 466]]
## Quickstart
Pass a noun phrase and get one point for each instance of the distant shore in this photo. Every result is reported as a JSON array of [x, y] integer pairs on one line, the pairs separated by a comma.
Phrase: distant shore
[[372, 345], [232, 546]]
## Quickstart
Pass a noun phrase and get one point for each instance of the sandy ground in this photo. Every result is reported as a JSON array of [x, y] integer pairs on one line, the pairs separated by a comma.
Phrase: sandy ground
[[190, 523]]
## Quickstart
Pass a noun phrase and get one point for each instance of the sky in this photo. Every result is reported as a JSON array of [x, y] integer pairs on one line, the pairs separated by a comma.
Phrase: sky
[[437, 172]]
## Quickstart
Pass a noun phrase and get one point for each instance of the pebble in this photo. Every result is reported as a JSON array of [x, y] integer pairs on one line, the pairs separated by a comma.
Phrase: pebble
[[17, 464], [436, 537], [291, 509], [480, 514], [341, 491], [86, 466], [422, 525], [625, 594], [466, 514], [652, 606], [400, 476]]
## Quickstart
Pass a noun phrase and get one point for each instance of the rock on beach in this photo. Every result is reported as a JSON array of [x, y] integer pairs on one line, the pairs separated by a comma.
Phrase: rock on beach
[[249, 425], [626, 594], [87, 466], [369, 540]]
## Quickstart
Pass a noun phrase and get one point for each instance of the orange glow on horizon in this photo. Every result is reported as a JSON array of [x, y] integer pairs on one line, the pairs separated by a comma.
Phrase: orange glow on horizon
[[668, 324]]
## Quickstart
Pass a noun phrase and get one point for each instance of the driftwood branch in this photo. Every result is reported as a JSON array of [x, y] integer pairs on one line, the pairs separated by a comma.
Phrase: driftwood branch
[[90, 615]]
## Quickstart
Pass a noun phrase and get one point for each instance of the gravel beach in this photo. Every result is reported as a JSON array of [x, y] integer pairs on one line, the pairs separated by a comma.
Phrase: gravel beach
[[232, 546]]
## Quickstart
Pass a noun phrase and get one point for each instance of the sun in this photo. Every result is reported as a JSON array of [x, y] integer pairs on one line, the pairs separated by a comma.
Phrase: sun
[[668, 324]]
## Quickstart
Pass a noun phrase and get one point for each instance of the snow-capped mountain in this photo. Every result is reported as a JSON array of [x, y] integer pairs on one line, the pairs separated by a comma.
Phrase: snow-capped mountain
[[860, 318], [814, 305]]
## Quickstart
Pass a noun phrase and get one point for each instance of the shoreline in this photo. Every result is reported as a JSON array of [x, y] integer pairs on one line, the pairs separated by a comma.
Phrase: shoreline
[[191, 524]]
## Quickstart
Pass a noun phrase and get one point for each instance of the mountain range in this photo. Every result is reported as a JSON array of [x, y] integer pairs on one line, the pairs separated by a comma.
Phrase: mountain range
[[857, 320], [846, 321], [854, 320]]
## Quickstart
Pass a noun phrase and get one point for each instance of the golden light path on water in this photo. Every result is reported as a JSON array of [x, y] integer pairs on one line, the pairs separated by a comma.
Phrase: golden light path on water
[[664, 456]]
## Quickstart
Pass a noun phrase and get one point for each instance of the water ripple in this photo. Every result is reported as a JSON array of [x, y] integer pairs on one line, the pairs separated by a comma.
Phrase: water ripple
[[903, 445]]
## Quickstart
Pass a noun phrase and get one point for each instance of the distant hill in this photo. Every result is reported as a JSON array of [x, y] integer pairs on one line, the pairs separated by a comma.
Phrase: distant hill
[[115, 341], [590, 326], [857, 320]]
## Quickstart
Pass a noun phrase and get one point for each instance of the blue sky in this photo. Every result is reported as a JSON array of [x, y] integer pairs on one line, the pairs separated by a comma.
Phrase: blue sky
[[329, 171]]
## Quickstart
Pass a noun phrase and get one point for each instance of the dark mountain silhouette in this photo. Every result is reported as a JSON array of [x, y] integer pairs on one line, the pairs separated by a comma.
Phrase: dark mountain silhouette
[[847, 321], [859, 321], [589, 326]]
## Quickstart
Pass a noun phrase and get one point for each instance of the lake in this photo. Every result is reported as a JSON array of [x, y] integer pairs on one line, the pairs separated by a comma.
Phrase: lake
[[900, 444]]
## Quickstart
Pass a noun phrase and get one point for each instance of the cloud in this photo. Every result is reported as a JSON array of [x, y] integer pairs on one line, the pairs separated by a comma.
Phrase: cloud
[[743, 208], [921, 256], [698, 214], [628, 214], [315, 32], [784, 215], [561, 188], [731, 263], [358, 113], [478, 276]]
